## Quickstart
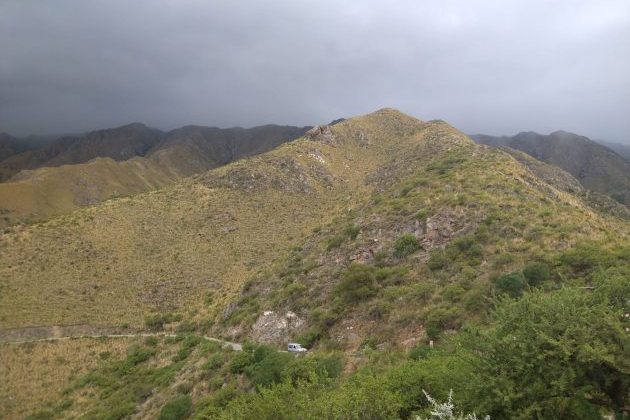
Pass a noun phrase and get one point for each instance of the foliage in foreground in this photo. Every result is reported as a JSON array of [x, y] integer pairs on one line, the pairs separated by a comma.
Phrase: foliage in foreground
[[547, 355]]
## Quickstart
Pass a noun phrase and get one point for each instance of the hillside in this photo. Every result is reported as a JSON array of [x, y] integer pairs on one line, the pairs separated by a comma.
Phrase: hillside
[[9, 146], [621, 149], [598, 168], [362, 240], [119, 143], [53, 190], [387, 173]]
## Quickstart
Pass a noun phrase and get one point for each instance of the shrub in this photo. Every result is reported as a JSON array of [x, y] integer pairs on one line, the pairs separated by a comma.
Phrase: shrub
[[419, 352], [334, 242], [176, 409], [138, 355], [437, 260], [155, 322], [438, 320], [358, 283], [352, 231], [536, 273], [511, 284], [186, 326], [269, 369], [214, 362], [422, 214], [406, 245], [310, 337]]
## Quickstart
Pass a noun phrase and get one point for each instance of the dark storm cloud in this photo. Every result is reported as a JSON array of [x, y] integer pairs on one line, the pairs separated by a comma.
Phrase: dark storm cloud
[[484, 66]]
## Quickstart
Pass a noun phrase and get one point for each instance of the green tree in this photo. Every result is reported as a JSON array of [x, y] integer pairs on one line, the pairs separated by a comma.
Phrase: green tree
[[553, 355], [406, 245], [511, 284], [177, 409], [358, 283], [536, 273]]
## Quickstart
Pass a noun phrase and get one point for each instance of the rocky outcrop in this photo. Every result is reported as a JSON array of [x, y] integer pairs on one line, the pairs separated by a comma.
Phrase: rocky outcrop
[[321, 133], [275, 328], [442, 227]]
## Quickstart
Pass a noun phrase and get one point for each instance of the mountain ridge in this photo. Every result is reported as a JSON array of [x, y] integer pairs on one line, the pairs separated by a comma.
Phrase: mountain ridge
[[597, 167]]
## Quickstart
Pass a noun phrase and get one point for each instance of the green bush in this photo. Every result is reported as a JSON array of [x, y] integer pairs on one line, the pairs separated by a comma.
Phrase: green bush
[[138, 355], [334, 242], [511, 284], [419, 352], [550, 353], [357, 284], [437, 260], [155, 322], [535, 273], [177, 409], [352, 231], [310, 337], [440, 319], [406, 245]]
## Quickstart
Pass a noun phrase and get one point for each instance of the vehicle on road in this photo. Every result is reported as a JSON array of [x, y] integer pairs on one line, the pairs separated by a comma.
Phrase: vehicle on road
[[296, 348]]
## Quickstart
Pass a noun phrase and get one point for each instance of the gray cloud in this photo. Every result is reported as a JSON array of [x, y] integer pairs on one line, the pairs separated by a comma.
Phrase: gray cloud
[[484, 66]]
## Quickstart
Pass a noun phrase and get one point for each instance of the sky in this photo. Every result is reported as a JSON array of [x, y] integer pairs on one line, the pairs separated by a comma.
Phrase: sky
[[492, 67]]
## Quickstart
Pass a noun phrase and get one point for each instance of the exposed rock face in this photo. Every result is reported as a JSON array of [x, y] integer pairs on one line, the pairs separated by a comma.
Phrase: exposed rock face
[[321, 133], [274, 328], [443, 226]]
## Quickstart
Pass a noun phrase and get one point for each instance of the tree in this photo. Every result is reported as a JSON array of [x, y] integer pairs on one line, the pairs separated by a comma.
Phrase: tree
[[553, 355]]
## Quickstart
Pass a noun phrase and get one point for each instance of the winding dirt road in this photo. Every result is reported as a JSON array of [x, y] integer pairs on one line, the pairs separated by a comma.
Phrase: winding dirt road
[[68, 332]]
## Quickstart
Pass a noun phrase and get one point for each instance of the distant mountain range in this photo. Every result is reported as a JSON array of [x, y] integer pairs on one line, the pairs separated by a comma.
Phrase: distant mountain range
[[597, 167], [622, 150], [55, 177]]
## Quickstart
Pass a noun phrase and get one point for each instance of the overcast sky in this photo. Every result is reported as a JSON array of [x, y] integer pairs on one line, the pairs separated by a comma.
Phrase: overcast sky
[[495, 67]]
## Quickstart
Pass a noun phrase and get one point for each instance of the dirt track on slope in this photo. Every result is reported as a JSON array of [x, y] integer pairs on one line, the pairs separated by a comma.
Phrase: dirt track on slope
[[68, 332]]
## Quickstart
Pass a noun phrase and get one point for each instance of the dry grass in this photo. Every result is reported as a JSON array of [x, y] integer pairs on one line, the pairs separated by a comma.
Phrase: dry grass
[[190, 248], [168, 250], [37, 373]]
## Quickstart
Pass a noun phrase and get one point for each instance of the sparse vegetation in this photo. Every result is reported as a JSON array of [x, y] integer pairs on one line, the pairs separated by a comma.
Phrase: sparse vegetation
[[281, 232], [406, 245]]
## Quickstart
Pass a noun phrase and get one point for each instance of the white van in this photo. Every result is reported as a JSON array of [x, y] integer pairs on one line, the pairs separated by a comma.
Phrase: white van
[[296, 348]]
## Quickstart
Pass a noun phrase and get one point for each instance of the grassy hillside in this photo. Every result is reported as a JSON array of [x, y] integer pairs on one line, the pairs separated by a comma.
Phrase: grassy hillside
[[53, 190], [597, 167], [194, 245], [363, 241]]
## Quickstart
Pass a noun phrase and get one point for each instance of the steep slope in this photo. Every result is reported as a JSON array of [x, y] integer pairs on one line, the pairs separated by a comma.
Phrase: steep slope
[[279, 230], [194, 149], [621, 149], [44, 192], [9, 146], [119, 143], [595, 166]]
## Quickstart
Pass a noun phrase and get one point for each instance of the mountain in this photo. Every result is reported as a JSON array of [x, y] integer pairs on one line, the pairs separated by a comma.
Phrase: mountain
[[365, 240], [10, 145], [55, 189], [119, 143], [386, 173], [621, 149], [597, 167]]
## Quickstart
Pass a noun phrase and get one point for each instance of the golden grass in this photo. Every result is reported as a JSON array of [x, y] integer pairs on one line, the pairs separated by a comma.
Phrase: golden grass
[[191, 247], [34, 374]]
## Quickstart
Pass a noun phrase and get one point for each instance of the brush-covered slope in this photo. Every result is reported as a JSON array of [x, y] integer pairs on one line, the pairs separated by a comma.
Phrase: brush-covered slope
[[280, 230], [597, 167], [119, 144], [9, 146], [621, 149], [48, 191]]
